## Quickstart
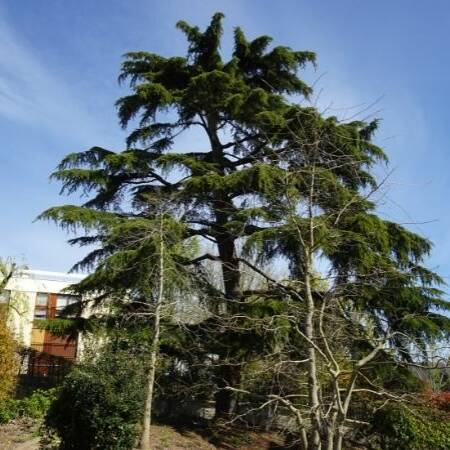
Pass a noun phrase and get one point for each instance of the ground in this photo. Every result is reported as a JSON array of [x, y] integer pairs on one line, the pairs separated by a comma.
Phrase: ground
[[169, 438], [22, 435], [19, 435]]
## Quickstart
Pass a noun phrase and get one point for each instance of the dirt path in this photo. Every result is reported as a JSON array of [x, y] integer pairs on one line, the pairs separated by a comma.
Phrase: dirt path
[[19, 435], [29, 445]]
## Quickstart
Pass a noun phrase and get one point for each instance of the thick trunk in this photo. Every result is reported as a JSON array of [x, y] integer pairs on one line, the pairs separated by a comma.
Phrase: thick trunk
[[227, 400], [227, 374], [230, 266], [147, 419]]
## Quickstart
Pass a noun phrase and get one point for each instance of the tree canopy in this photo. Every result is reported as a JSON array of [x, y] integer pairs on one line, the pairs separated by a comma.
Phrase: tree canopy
[[276, 180]]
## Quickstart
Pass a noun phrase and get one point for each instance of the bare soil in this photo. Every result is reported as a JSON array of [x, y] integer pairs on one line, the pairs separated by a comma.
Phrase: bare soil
[[22, 435], [19, 435], [218, 438]]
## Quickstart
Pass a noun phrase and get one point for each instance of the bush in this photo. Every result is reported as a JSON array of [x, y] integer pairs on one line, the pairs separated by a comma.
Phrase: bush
[[8, 410], [8, 359], [35, 406], [100, 404], [400, 428]]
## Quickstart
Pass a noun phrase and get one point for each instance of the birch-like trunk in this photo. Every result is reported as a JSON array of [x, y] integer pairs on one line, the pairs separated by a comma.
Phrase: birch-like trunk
[[339, 440], [313, 385], [147, 419]]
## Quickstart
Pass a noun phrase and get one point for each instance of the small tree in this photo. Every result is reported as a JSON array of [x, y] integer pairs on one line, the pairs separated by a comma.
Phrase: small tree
[[8, 346], [374, 305], [139, 269]]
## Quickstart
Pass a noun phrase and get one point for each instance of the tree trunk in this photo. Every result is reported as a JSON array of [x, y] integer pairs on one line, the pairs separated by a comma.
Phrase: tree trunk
[[154, 350], [313, 386], [310, 329], [226, 400], [228, 375], [339, 440], [330, 437]]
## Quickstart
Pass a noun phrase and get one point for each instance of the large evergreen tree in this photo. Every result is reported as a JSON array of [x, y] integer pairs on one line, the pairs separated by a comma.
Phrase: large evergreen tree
[[260, 144], [239, 105]]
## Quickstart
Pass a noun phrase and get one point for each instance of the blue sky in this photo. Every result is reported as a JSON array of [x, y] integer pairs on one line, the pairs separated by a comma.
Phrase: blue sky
[[59, 62]]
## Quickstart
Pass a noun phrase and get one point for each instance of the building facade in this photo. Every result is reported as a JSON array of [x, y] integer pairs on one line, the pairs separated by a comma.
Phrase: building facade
[[34, 295]]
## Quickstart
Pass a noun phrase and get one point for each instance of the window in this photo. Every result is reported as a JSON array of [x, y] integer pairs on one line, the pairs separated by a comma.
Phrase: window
[[49, 306], [41, 299], [40, 309], [40, 314], [63, 301]]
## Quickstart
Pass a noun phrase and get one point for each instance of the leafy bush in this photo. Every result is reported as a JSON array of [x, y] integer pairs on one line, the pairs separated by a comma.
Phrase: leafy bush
[[400, 428], [100, 403], [8, 359], [35, 406], [8, 410]]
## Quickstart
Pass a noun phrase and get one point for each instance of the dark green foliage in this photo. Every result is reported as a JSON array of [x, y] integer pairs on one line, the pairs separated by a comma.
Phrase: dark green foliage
[[99, 405], [191, 87], [263, 148], [401, 428]]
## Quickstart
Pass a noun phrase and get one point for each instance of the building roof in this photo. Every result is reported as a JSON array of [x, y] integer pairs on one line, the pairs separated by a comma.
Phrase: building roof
[[49, 276]]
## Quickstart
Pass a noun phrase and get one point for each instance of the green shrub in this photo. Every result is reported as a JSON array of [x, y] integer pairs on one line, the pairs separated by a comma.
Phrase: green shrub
[[401, 428], [100, 404], [8, 410], [35, 406]]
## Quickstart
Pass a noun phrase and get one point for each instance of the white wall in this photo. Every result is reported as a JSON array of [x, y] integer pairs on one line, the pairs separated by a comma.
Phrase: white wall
[[24, 287]]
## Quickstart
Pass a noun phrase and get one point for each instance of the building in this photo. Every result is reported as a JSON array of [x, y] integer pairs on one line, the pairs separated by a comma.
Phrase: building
[[34, 295]]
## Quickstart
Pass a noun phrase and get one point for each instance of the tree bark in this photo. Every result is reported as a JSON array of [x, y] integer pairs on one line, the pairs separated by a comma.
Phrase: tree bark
[[227, 400], [339, 440], [154, 350], [313, 386], [228, 375]]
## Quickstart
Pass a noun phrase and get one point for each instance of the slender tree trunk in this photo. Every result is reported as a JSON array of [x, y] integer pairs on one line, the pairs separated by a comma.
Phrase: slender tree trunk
[[339, 439], [330, 429], [310, 332], [313, 386], [154, 350]]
